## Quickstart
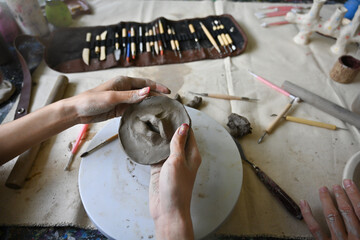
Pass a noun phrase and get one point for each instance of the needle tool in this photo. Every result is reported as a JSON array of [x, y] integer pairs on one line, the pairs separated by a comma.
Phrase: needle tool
[[210, 37], [76, 146], [272, 186], [226, 97], [311, 122], [109, 140], [272, 85], [272, 126]]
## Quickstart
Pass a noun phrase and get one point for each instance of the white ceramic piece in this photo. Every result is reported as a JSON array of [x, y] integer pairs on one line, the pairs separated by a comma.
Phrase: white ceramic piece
[[114, 190], [352, 169]]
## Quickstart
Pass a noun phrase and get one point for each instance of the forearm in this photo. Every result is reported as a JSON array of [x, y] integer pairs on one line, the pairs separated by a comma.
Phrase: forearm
[[174, 227], [21, 134]]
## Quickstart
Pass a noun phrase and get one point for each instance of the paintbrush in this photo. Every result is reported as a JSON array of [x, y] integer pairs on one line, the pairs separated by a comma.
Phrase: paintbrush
[[77, 143], [225, 97], [100, 145]]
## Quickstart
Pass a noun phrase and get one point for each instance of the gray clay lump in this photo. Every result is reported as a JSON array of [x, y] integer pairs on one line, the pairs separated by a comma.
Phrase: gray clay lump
[[146, 128]]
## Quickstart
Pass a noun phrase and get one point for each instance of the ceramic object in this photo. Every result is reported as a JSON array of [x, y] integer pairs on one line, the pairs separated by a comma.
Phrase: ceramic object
[[114, 190], [352, 169], [345, 69]]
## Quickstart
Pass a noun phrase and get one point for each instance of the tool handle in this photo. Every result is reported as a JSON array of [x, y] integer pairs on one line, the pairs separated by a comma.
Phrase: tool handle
[[279, 193], [311, 123], [270, 128], [223, 96], [22, 167], [80, 136]]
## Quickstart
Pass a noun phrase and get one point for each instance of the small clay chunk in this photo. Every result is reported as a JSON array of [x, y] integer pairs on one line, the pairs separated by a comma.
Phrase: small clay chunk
[[146, 128], [195, 103], [239, 126]]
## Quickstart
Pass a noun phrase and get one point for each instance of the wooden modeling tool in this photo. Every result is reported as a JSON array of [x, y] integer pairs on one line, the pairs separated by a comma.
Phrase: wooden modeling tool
[[25, 161], [159, 39], [76, 146], [153, 44], [109, 140], [86, 50], [172, 41], [97, 46], [161, 28], [147, 44], [210, 37], [272, 126], [227, 35], [176, 41], [223, 96], [133, 45], [117, 51], [323, 104], [192, 31], [272, 186], [220, 38], [141, 45], [156, 44], [123, 36], [311, 122], [103, 46]]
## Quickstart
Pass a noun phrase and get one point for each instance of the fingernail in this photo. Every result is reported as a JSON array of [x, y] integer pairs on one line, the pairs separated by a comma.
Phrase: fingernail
[[183, 129], [323, 189], [144, 91], [302, 203], [347, 183]]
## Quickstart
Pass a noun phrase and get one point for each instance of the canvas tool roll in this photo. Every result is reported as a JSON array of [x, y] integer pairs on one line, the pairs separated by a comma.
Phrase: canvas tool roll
[[140, 44]]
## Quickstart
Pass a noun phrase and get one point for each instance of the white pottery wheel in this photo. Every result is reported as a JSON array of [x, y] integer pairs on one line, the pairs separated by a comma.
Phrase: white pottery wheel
[[114, 190]]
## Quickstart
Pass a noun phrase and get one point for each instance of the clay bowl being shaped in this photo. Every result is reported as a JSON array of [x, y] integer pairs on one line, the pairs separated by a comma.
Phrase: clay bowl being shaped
[[147, 128], [352, 169]]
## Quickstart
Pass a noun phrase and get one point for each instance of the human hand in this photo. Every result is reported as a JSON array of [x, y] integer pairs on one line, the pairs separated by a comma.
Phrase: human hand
[[342, 218], [111, 98], [171, 186]]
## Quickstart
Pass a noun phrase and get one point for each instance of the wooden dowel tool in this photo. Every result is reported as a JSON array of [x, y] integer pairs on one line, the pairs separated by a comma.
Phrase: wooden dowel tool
[[223, 96]]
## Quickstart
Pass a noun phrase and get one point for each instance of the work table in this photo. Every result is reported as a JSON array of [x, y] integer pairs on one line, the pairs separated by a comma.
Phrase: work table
[[298, 157]]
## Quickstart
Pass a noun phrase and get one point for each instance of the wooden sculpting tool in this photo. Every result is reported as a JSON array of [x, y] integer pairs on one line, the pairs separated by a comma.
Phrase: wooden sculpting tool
[[311, 122], [225, 97], [172, 42], [141, 46], [177, 44], [159, 39], [161, 28], [220, 28], [323, 104], [192, 31], [132, 40], [97, 46], [123, 35], [227, 35], [210, 37], [25, 161], [76, 146], [219, 37], [117, 51], [153, 43], [272, 186], [272, 126], [156, 44], [103, 46], [147, 44], [86, 50], [100, 145]]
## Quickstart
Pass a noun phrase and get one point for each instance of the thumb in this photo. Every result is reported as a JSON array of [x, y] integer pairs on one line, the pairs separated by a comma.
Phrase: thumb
[[178, 141]]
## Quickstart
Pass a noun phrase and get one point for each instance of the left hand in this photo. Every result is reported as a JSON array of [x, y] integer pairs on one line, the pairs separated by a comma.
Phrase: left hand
[[342, 218], [111, 98]]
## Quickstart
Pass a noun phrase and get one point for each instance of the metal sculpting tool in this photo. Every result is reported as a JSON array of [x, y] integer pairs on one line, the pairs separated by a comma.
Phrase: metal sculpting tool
[[226, 97], [100, 145], [272, 186], [210, 37], [86, 50], [192, 31], [117, 51], [103, 46], [176, 41], [220, 38], [272, 126], [123, 35], [220, 28], [75, 148], [227, 35]]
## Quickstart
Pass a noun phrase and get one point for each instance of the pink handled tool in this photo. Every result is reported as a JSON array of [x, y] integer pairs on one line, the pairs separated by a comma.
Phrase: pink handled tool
[[76, 146]]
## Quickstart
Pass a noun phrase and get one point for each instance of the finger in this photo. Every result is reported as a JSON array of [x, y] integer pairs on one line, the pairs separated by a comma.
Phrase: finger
[[333, 218], [132, 96], [310, 221], [350, 219], [177, 144], [192, 151], [154, 86], [354, 195]]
